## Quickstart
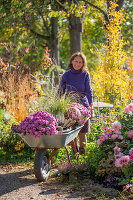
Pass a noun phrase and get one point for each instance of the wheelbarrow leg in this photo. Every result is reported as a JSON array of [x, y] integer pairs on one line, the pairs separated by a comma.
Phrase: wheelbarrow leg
[[74, 146], [51, 155], [68, 156]]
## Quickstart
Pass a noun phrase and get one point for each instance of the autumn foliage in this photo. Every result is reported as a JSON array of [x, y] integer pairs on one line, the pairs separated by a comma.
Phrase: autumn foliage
[[113, 76]]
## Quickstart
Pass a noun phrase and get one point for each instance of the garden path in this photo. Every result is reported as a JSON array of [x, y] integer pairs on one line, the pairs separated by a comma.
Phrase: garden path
[[19, 183]]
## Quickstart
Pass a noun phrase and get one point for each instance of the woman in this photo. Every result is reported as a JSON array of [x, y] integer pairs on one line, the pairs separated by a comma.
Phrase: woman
[[76, 82]]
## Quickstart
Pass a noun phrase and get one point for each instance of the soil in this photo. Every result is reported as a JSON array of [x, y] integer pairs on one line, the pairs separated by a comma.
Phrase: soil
[[19, 183]]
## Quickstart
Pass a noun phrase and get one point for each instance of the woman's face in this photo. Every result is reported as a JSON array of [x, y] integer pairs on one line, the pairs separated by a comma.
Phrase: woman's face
[[77, 63]]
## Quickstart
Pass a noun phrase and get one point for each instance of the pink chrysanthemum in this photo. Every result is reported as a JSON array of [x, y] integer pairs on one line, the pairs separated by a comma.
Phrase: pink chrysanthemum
[[118, 132], [120, 137], [122, 162], [117, 163], [116, 125], [114, 136], [131, 154], [130, 107], [78, 112], [127, 110], [102, 137], [117, 149], [130, 134], [99, 142], [38, 124]]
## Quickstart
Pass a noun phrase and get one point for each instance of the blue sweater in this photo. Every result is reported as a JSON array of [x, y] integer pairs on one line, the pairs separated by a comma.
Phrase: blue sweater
[[76, 81]]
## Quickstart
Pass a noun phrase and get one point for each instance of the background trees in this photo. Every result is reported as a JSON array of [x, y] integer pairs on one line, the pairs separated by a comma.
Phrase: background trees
[[48, 23], [27, 27]]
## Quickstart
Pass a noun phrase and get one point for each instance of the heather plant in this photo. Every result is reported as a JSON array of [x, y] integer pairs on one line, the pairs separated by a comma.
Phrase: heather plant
[[67, 168]]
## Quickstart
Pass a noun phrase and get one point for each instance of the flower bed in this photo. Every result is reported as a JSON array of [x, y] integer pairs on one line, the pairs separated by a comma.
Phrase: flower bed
[[117, 142]]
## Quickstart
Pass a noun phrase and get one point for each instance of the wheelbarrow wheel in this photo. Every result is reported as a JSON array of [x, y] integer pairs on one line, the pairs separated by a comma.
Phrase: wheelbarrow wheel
[[41, 169]]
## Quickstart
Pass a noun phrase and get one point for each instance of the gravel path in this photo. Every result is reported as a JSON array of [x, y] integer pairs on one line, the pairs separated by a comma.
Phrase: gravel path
[[19, 183]]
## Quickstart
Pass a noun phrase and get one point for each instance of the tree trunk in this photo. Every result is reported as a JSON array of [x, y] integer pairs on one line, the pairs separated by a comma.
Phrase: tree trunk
[[75, 31], [54, 41]]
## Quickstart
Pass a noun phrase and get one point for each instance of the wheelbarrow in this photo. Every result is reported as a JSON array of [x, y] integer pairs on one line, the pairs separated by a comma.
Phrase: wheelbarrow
[[42, 160]]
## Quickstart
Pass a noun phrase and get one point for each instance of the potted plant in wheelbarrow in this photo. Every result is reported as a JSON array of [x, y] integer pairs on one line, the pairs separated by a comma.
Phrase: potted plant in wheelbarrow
[[41, 131]]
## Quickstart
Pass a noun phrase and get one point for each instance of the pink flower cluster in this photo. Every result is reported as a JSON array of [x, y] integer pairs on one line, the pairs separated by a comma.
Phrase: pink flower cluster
[[129, 108], [131, 154], [121, 159], [130, 134], [78, 112], [128, 188], [37, 124], [111, 133]]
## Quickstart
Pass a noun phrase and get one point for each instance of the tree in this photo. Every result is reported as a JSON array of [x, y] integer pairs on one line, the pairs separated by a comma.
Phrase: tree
[[34, 19], [111, 77]]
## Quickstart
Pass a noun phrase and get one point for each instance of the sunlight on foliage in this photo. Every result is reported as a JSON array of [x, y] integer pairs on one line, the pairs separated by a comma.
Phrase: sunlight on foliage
[[16, 93], [111, 76]]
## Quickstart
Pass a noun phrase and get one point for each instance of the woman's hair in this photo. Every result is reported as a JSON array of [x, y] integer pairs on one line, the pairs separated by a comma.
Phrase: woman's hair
[[84, 68]]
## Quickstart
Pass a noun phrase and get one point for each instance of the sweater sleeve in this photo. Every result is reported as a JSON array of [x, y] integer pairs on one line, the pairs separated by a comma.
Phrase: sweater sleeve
[[88, 89]]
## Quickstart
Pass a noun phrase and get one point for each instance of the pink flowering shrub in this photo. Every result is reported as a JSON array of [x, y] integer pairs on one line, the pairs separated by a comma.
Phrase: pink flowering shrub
[[78, 112], [109, 134], [130, 134], [117, 140], [120, 130], [129, 108], [37, 124], [121, 159]]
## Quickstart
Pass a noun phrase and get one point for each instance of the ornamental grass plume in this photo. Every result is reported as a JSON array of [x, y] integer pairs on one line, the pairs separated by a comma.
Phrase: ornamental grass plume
[[17, 92], [38, 124]]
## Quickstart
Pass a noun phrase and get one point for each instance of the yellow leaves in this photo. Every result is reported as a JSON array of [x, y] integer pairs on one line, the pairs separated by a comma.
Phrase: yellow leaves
[[2, 15], [20, 154], [110, 76], [41, 183], [19, 146], [29, 5]]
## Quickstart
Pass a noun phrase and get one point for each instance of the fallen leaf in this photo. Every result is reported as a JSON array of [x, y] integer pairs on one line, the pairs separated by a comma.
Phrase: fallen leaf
[[41, 183]]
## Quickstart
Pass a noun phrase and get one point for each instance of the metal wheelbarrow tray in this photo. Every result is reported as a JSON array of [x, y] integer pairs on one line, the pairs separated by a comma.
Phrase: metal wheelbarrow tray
[[42, 160], [51, 141]]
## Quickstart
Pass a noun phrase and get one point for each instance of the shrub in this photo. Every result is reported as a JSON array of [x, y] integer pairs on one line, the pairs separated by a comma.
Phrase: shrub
[[117, 143]]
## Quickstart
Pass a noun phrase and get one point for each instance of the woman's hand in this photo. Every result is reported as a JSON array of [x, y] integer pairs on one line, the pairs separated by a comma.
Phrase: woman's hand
[[91, 111]]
